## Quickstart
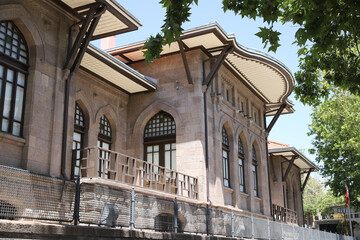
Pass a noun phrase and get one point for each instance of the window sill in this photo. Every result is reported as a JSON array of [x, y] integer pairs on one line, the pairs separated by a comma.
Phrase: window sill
[[244, 195], [18, 141], [257, 198], [228, 190]]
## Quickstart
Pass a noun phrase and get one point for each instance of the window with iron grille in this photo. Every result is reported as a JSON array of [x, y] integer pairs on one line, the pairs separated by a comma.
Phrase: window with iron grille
[[104, 143], [254, 172], [78, 139], [160, 141], [13, 73], [241, 165], [225, 158]]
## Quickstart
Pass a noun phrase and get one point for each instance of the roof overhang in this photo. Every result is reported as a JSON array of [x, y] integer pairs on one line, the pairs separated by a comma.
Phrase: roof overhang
[[301, 161], [114, 72], [114, 20], [267, 77]]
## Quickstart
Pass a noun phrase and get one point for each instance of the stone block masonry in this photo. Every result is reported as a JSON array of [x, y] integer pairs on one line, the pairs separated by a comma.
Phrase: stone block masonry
[[34, 230]]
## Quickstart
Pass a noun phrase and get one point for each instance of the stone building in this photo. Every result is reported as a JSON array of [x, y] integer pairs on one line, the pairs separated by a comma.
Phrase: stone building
[[287, 165], [192, 125]]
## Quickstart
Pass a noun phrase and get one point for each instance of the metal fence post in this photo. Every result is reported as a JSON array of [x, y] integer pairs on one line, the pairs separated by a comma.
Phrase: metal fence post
[[252, 227], [175, 216], [207, 219], [77, 202], [268, 225], [232, 225], [282, 231], [132, 210]]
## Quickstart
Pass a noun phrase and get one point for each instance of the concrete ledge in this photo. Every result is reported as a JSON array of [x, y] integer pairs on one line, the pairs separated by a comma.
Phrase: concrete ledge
[[36, 230]]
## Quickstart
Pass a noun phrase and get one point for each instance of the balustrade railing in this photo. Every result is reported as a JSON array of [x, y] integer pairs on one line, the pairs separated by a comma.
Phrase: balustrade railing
[[282, 214], [101, 163]]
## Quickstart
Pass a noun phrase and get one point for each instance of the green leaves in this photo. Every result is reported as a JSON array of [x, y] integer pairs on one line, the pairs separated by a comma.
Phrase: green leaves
[[177, 12], [336, 130], [269, 36], [328, 38]]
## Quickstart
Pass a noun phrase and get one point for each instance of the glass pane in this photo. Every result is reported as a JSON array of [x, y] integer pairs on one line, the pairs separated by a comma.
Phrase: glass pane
[[156, 158], [106, 146], [5, 125], [167, 159], [16, 129], [10, 75], [19, 103], [167, 147], [173, 160], [7, 102], [149, 149], [21, 79], [149, 158], [77, 137], [156, 148], [1, 71]]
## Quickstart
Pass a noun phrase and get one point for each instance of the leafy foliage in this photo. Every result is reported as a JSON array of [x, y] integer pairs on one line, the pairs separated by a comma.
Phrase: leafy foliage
[[316, 200], [336, 130], [327, 38]]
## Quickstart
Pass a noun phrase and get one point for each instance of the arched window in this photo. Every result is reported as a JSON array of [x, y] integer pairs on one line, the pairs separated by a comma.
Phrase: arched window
[[160, 141], [78, 139], [241, 165], [254, 172], [13, 71], [225, 158], [104, 143]]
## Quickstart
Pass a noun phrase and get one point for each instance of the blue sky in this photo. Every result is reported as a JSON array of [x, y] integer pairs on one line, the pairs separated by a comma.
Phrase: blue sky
[[291, 128]]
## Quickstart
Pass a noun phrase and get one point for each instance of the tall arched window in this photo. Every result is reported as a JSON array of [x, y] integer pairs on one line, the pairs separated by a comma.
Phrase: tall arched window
[[78, 139], [241, 165], [104, 143], [13, 71], [254, 172], [160, 141], [225, 158]]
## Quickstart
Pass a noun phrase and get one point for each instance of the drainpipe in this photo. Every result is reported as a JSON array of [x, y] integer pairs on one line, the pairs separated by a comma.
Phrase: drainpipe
[[72, 64], [206, 137], [66, 109]]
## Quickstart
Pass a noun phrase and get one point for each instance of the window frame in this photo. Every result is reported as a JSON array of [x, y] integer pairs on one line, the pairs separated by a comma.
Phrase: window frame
[[225, 158], [103, 138], [241, 159], [158, 134], [9, 62], [78, 129], [255, 172]]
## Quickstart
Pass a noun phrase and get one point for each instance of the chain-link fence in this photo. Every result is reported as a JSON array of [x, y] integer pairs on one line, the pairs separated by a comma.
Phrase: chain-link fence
[[24, 194]]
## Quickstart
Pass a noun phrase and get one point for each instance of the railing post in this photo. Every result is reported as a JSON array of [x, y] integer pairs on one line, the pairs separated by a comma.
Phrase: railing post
[[268, 225], [232, 225], [175, 216], [207, 220], [77, 201], [252, 227], [132, 210]]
